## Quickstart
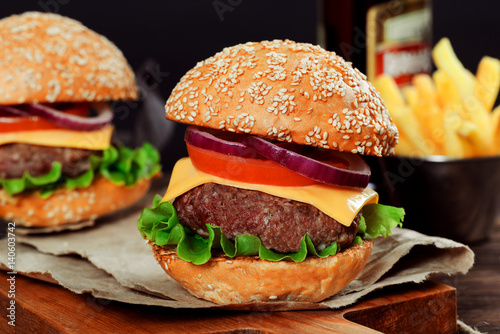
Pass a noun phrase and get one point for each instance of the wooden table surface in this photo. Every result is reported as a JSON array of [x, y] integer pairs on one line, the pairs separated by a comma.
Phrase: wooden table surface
[[43, 307], [478, 292]]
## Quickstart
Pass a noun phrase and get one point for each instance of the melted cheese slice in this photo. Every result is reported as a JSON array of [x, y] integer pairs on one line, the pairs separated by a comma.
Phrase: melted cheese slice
[[342, 204], [91, 140]]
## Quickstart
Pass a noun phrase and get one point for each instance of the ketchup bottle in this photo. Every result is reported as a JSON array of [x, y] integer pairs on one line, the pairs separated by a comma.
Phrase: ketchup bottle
[[399, 39], [379, 36]]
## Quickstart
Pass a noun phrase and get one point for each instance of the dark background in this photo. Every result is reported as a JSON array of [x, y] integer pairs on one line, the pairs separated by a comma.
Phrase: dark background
[[174, 35]]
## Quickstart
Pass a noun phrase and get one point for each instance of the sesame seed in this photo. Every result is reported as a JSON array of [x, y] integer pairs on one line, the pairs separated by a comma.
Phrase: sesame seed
[[328, 76]]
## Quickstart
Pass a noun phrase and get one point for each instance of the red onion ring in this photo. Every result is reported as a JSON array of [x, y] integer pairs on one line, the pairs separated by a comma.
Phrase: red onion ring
[[357, 174], [209, 141], [104, 117], [315, 166], [14, 111]]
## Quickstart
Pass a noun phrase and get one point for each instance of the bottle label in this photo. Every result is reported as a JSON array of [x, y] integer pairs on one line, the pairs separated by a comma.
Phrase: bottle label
[[403, 60], [403, 49]]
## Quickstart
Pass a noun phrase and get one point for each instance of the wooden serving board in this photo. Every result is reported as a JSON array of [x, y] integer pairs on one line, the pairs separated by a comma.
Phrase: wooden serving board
[[42, 307]]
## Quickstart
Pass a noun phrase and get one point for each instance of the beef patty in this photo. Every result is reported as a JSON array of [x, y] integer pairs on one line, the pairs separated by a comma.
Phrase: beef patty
[[15, 159], [280, 223]]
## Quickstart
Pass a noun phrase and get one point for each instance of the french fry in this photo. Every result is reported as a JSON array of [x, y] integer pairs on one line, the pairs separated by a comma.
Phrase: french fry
[[454, 115], [495, 121], [447, 61], [449, 112], [453, 144], [488, 81], [471, 133], [428, 111], [447, 93], [405, 146], [389, 90], [425, 88], [411, 96], [468, 147], [407, 123], [410, 127]]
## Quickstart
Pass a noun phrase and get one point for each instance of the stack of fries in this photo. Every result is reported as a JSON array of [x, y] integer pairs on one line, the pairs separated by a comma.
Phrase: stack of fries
[[449, 113]]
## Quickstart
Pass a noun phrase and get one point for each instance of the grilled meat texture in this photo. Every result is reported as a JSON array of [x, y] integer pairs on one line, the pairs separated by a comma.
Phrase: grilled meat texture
[[16, 159], [279, 223]]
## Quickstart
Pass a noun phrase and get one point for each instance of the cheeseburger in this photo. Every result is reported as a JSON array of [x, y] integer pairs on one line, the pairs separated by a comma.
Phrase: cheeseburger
[[273, 202], [57, 161]]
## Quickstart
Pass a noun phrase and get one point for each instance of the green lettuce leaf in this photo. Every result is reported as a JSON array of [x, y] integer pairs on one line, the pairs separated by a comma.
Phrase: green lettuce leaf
[[26, 182], [161, 225], [378, 219], [122, 166]]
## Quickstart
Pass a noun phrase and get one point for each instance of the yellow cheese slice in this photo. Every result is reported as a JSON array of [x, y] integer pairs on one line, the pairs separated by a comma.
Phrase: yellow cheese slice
[[91, 140], [342, 204]]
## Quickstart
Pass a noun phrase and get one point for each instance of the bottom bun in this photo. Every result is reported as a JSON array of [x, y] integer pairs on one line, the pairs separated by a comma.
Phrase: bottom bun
[[69, 206], [225, 280]]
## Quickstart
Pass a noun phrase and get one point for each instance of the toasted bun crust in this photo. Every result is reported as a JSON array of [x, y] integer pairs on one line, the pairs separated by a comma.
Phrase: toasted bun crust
[[224, 280], [287, 91], [50, 58], [70, 206]]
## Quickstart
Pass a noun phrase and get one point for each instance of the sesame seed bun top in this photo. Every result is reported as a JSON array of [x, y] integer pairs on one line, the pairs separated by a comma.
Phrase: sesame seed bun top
[[50, 58], [288, 91]]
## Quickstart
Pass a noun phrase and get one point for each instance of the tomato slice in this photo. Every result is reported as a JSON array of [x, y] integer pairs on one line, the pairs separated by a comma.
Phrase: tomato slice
[[256, 171], [18, 123]]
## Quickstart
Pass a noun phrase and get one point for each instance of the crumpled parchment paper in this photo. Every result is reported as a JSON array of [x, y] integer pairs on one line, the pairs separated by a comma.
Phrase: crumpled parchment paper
[[110, 260]]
